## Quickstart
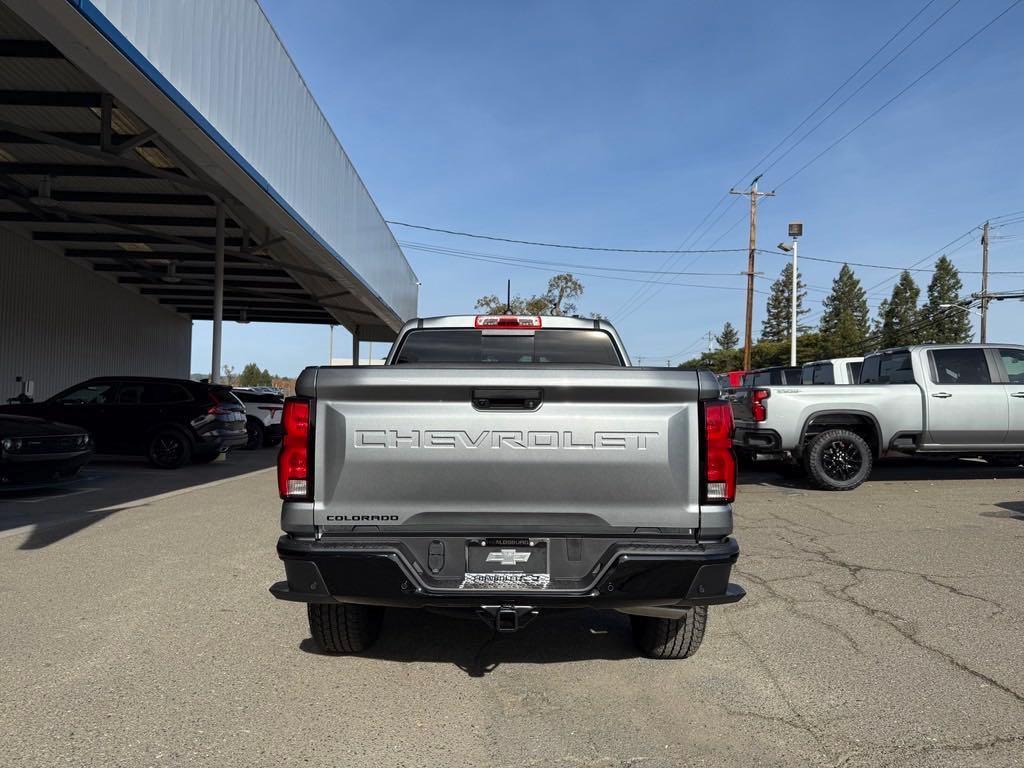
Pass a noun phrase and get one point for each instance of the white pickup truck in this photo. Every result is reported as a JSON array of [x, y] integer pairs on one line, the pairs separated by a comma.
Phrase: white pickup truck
[[952, 400]]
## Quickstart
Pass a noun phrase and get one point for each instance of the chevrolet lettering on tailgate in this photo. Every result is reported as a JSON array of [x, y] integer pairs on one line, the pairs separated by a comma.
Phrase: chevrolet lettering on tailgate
[[507, 438]]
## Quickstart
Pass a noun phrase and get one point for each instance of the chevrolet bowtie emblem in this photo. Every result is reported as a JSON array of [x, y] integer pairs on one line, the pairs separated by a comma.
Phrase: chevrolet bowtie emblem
[[508, 557]]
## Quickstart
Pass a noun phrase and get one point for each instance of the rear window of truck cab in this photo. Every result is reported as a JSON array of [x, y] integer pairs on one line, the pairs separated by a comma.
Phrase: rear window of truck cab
[[888, 368], [818, 374], [554, 345]]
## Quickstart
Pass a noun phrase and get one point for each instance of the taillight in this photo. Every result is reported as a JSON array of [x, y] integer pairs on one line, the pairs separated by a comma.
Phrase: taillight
[[293, 461], [719, 460], [758, 408], [216, 409], [507, 321]]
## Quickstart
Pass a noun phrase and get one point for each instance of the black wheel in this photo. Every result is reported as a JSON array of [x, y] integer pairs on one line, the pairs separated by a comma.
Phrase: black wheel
[[670, 638], [253, 433], [343, 627], [169, 449], [838, 460]]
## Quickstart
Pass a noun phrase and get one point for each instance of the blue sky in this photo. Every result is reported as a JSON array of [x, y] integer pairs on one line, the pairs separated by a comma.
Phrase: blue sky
[[621, 124]]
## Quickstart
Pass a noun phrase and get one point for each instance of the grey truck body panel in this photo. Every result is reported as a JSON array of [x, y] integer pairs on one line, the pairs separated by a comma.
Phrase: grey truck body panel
[[605, 450], [920, 410]]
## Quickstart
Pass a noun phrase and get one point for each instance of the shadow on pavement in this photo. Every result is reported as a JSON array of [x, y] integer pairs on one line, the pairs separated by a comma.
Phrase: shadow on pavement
[[411, 635], [1008, 510], [106, 487]]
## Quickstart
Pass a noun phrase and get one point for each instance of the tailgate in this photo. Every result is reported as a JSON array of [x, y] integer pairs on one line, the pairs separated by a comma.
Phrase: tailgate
[[529, 448], [742, 402]]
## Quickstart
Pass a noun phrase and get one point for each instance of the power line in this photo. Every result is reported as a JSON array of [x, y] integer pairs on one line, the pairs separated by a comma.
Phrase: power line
[[510, 261], [428, 248], [661, 283], [867, 82], [637, 299], [890, 267], [914, 82], [520, 265], [941, 250], [539, 244]]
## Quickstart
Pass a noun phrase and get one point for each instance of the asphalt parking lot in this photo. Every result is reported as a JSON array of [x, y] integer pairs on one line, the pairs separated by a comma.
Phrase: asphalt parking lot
[[883, 627]]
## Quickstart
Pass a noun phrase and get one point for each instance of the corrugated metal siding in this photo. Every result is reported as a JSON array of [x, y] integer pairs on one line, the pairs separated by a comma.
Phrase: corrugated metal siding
[[227, 60], [60, 324]]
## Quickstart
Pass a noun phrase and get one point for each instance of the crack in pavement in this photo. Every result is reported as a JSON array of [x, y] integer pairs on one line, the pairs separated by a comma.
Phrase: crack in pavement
[[830, 556], [799, 721]]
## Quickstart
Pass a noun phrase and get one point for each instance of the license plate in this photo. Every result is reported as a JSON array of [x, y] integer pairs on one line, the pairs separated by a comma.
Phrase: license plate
[[507, 555], [503, 563]]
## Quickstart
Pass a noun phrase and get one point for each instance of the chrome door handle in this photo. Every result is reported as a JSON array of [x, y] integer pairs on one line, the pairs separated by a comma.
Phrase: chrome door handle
[[1017, 394], [944, 395]]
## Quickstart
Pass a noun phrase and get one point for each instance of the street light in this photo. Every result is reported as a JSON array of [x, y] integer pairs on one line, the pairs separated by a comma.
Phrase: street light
[[969, 310], [796, 230]]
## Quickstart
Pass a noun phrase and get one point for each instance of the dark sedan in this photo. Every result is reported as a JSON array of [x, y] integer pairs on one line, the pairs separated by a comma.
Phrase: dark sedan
[[35, 450], [169, 421]]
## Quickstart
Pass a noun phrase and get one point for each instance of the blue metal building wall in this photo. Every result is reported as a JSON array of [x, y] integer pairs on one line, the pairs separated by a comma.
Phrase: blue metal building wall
[[228, 63]]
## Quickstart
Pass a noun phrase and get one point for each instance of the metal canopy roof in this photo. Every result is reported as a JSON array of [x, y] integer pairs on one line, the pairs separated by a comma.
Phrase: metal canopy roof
[[82, 173]]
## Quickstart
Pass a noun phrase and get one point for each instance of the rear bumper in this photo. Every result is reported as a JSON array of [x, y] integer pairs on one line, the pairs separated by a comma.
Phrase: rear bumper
[[757, 440], [222, 438], [629, 574]]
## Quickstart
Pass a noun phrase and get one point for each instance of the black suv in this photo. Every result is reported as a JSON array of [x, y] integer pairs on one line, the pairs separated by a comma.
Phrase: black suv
[[170, 421]]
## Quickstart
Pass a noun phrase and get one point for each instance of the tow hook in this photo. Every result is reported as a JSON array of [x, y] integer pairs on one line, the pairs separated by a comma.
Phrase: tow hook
[[506, 618]]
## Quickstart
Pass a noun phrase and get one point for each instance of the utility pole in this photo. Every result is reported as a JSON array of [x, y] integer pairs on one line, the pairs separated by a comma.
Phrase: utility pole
[[984, 283], [711, 340], [796, 230], [754, 194]]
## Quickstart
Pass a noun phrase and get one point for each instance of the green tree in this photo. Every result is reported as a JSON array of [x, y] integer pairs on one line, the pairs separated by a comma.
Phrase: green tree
[[495, 305], [844, 320], [729, 338], [764, 353], [252, 376], [776, 325], [562, 293], [560, 297], [945, 324], [899, 319]]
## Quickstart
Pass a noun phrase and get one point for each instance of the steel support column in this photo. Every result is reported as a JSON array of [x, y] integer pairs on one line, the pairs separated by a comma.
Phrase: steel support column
[[218, 294], [355, 346]]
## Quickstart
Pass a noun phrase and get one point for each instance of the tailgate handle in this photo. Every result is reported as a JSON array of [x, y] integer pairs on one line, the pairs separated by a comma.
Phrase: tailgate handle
[[506, 399]]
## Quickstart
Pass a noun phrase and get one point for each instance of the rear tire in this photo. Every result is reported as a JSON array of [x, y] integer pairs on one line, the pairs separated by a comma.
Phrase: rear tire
[[254, 432], [838, 460], [343, 627], [670, 638], [169, 449]]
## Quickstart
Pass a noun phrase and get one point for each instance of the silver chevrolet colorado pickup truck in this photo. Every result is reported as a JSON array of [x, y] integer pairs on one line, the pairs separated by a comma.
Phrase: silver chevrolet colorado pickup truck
[[946, 400], [502, 465]]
